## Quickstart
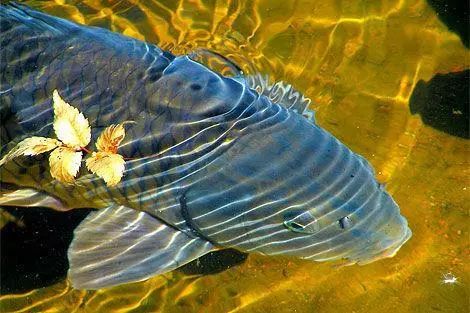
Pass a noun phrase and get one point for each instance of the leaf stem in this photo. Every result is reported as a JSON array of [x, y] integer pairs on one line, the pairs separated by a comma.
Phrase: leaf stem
[[86, 150]]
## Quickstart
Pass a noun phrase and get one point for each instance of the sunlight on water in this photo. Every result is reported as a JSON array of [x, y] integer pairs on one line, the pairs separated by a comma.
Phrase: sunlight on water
[[359, 62]]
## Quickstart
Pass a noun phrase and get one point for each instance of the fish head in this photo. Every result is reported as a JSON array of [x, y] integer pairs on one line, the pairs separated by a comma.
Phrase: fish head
[[294, 189], [363, 234]]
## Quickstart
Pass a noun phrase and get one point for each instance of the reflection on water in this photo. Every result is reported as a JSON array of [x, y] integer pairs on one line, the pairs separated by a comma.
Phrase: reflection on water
[[359, 61]]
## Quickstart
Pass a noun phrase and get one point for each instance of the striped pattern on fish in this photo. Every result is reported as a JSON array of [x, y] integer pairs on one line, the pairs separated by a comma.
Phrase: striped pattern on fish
[[214, 163]]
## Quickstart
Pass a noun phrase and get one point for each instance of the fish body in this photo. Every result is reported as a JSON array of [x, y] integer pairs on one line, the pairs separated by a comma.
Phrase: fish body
[[212, 162]]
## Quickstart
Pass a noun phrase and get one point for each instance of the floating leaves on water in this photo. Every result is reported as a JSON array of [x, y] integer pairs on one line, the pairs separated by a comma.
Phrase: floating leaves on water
[[106, 163], [31, 146], [110, 138], [108, 166], [74, 133], [65, 163], [70, 126]]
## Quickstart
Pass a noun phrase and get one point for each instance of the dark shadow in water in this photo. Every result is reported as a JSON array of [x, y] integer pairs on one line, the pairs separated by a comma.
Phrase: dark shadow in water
[[454, 14], [35, 255], [443, 102], [214, 262]]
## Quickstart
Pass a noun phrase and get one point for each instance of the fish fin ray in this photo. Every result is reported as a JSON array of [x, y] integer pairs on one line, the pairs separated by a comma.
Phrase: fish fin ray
[[281, 93], [22, 15], [216, 62], [119, 245]]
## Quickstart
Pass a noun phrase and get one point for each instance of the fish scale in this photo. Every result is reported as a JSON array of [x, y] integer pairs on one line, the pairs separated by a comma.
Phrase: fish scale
[[162, 98], [213, 163], [101, 99]]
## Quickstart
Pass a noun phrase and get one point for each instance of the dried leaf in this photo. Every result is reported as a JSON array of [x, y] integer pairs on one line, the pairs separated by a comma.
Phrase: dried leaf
[[70, 126], [110, 138], [65, 163], [31, 146], [109, 166]]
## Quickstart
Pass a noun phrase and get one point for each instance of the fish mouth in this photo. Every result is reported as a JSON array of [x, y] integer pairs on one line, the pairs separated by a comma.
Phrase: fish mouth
[[388, 252]]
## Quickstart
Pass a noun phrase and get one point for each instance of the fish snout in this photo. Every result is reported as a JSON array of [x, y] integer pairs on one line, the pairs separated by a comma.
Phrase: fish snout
[[387, 240], [389, 251]]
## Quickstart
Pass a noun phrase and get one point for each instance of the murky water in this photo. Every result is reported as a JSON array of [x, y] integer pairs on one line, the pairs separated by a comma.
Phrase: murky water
[[359, 62]]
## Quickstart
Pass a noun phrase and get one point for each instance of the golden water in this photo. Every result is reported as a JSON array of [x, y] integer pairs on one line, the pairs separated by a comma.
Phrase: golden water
[[359, 62]]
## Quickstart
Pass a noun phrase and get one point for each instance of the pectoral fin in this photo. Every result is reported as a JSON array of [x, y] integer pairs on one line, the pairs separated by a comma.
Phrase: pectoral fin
[[118, 245]]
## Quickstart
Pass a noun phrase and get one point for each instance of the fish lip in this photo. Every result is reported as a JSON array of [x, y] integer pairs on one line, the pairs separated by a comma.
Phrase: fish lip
[[388, 252]]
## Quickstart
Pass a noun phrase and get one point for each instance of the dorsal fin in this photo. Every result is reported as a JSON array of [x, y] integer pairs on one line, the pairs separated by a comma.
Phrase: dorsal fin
[[216, 62], [281, 93], [15, 13]]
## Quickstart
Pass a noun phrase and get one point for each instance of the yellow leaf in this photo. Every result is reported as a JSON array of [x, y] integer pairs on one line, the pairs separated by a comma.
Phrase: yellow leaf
[[70, 126], [109, 166], [31, 146], [65, 163], [110, 138]]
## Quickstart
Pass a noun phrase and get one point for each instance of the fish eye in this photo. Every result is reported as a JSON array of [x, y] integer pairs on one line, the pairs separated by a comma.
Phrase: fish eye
[[295, 227], [301, 222]]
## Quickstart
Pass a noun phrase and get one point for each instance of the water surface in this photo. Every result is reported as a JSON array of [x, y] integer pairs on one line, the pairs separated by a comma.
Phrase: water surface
[[359, 62]]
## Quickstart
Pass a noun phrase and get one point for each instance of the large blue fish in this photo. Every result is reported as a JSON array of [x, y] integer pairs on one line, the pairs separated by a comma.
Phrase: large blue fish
[[216, 161]]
